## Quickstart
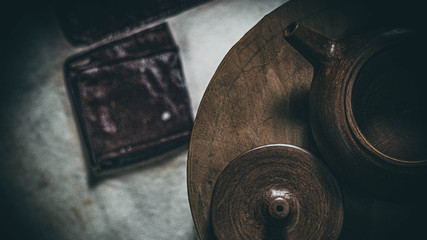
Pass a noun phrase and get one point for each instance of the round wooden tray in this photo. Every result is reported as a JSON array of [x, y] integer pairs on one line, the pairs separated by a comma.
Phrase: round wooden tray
[[259, 96]]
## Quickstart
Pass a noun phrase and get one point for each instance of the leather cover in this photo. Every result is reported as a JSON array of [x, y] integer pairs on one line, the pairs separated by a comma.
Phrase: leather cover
[[86, 22], [130, 99]]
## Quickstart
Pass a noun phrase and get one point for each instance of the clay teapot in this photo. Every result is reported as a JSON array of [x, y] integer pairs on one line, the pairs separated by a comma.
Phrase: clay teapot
[[367, 106]]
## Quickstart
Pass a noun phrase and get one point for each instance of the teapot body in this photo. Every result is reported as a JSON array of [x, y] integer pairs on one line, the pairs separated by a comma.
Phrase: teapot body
[[367, 112]]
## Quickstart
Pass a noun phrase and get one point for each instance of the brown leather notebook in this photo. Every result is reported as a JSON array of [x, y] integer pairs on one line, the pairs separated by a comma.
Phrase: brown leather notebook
[[130, 99], [88, 21]]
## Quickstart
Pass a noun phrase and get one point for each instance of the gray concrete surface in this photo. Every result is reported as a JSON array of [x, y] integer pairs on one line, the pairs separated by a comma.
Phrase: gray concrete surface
[[44, 183]]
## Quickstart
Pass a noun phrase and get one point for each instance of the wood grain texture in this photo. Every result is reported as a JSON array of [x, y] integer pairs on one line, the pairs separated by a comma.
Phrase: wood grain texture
[[277, 192], [258, 96]]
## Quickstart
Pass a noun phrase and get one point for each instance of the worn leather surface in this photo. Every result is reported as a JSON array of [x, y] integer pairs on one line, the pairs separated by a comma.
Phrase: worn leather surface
[[130, 99], [86, 22]]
